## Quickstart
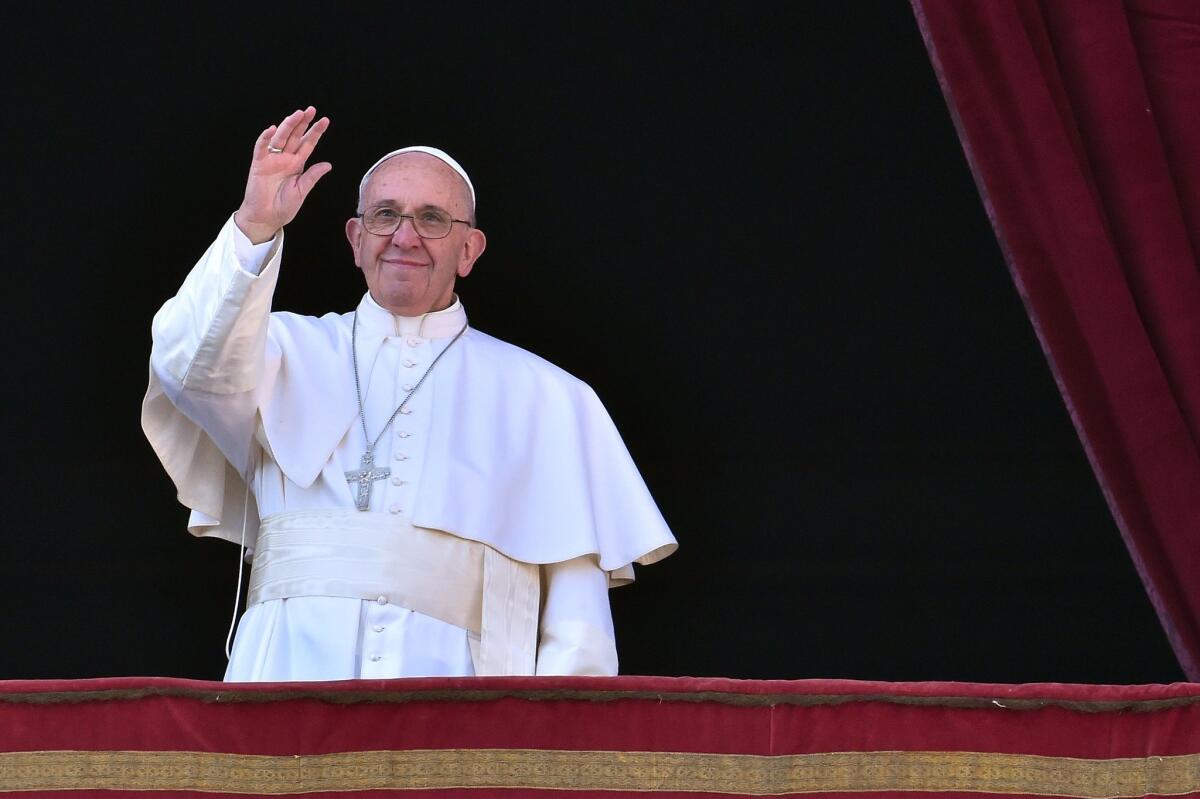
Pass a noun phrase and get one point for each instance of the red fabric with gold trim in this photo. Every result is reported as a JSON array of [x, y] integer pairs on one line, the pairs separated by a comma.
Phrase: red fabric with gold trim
[[817, 720]]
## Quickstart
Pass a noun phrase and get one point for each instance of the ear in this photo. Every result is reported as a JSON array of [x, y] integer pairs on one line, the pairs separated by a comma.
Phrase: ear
[[354, 236], [473, 247]]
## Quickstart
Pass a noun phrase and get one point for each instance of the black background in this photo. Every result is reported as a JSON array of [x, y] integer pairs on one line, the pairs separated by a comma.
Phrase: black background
[[750, 227]]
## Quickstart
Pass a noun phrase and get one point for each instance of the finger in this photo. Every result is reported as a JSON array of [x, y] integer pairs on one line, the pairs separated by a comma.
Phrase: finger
[[298, 129], [284, 130], [310, 177], [260, 144], [309, 141]]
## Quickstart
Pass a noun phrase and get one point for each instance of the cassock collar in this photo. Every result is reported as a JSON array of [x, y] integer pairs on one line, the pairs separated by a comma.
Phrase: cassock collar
[[302, 455], [434, 325]]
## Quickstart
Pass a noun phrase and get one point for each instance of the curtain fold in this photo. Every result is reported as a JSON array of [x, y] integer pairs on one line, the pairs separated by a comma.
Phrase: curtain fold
[[1081, 124]]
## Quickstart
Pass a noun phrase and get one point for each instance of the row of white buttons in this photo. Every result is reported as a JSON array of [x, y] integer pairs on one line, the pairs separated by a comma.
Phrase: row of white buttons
[[408, 363], [382, 600]]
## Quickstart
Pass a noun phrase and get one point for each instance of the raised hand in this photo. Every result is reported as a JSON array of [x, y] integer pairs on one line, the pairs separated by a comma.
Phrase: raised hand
[[278, 182]]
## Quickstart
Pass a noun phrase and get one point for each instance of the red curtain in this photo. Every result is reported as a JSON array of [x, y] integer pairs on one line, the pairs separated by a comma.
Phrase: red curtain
[[1081, 123]]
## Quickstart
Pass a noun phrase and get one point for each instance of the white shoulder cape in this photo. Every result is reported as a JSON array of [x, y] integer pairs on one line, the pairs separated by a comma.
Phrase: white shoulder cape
[[522, 456]]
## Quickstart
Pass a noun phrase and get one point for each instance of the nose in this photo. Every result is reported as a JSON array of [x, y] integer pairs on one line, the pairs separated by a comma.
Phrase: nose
[[406, 234]]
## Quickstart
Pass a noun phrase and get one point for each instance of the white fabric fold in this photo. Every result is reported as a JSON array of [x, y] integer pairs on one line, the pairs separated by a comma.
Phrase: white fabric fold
[[378, 557]]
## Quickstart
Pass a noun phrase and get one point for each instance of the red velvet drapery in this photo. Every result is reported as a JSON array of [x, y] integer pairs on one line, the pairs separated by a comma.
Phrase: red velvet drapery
[[1081, 122]]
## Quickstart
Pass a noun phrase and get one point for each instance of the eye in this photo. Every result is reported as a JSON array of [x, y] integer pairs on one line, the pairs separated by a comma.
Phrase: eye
[[434, 217], [382, 213]]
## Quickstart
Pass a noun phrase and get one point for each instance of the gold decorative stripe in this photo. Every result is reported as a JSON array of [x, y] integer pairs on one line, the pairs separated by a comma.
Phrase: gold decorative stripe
[[749, 775], [399, 696]]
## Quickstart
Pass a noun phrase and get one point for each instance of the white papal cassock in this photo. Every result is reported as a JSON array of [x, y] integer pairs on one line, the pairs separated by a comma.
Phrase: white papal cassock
[[497, 446]]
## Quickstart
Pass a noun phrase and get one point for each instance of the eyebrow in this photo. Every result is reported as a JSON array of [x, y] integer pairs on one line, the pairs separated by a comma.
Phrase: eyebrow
[[426, 207]]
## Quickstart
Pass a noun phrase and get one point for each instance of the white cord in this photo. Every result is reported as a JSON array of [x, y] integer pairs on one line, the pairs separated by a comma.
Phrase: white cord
[[237, 597]]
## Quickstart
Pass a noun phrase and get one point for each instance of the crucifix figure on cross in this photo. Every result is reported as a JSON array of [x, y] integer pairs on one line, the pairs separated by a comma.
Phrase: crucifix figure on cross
[[364, 475]]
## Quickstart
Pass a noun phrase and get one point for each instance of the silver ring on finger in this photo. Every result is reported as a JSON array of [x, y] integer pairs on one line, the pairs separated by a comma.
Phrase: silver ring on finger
[[274, 150]]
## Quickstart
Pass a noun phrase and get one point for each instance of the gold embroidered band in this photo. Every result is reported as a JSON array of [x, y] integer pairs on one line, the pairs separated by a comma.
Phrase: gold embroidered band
[[749, 775]]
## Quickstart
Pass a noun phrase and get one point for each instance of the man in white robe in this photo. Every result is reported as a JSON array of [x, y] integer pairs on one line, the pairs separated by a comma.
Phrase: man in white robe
[[420, 499]]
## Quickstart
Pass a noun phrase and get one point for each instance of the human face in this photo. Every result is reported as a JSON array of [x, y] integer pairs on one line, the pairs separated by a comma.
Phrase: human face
[[406, 274]]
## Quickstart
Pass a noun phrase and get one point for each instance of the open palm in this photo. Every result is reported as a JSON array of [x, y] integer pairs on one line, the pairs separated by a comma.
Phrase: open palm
[[278, 182]]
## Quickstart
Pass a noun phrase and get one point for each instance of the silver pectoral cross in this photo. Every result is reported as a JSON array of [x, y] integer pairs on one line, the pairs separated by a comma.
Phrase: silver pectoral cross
[[364, 475]]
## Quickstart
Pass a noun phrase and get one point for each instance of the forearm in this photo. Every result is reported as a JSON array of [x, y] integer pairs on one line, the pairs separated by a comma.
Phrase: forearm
[[576, 631], [211, 335]]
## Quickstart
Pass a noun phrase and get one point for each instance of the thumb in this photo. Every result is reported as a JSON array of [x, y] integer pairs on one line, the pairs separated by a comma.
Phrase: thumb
[[309, 178]]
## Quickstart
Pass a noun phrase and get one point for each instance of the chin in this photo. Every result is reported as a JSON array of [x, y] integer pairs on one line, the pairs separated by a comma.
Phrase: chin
[[398, 297]]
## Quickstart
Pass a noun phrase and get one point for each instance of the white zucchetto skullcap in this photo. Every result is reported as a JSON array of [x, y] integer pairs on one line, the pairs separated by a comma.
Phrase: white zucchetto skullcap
[[441, 155]]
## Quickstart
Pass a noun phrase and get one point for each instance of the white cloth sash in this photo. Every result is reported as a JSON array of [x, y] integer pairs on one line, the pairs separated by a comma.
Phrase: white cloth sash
[[372, 556]]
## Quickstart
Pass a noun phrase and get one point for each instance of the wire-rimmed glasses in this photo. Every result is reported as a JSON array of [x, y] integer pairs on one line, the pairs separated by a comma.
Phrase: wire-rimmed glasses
[[429, 223]]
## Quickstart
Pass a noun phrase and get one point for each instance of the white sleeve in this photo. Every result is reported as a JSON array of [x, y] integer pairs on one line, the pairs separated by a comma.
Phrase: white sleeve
[[576, 630], [251, 256], [210, 339]]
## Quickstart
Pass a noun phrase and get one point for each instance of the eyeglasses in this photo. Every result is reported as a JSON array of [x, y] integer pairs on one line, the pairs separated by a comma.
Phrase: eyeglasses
[[429, 223]]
